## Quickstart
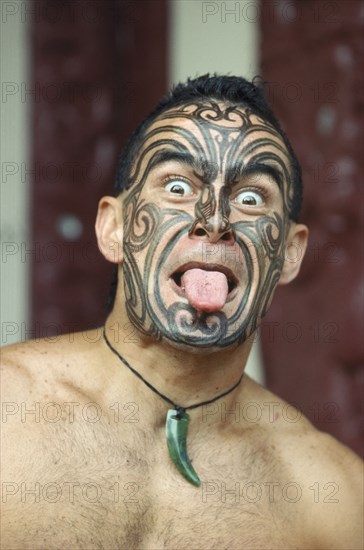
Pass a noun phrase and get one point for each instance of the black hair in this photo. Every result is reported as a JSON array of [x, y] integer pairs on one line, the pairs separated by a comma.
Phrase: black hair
[[234, 90]]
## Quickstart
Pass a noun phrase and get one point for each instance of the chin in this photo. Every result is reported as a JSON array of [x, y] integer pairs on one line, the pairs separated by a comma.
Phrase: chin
[[199, 348]]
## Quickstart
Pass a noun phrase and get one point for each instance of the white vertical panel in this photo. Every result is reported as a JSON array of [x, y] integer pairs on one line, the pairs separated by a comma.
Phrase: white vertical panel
[[218, 37], [213, 37], [15, 180]]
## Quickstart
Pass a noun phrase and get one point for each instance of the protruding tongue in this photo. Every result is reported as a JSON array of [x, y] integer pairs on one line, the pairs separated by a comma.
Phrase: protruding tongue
[[205, 290]]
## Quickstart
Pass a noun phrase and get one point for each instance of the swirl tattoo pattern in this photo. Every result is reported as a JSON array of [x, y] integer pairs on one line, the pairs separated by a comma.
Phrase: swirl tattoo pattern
[[220, 143]]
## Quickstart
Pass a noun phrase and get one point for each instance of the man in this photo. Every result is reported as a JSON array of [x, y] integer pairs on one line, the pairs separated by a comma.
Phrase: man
[[201, 231]]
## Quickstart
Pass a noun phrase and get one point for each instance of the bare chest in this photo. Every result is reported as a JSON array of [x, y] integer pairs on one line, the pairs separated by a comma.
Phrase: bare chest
[[135, 512], [86, 487]]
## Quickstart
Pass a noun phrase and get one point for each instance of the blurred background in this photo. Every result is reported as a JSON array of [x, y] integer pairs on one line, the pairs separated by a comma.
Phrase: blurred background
[[76, 78]]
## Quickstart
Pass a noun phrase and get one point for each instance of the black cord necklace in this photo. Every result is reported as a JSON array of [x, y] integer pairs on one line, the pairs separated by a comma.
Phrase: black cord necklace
[[176, 423]]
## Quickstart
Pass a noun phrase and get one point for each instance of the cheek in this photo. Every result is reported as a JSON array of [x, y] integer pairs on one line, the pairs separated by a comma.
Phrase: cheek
[[263, 241], [141, 221]]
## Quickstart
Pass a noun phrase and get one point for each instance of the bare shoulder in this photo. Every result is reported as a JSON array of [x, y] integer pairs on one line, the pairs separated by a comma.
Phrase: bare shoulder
[[327, 475], [335, 474], [40, 367], [38, 379], [45, 384], [23, 363]]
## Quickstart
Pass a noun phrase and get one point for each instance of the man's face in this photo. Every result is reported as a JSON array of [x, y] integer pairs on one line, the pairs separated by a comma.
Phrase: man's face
[[205, 224]]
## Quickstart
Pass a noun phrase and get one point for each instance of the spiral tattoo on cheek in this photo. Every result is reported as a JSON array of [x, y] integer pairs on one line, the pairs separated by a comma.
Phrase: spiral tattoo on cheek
[[217, 135]]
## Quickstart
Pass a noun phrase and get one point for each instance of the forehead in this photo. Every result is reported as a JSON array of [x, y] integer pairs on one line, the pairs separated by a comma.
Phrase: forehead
[[213, 132], [220, 115]]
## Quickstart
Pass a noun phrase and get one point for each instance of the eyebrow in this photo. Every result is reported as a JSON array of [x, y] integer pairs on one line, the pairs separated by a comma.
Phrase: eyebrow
[[242, 170], [207, 172], [202, 169]]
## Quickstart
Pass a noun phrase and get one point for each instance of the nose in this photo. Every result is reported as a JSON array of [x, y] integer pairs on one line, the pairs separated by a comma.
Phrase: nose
[[212, 217], [213, 230]]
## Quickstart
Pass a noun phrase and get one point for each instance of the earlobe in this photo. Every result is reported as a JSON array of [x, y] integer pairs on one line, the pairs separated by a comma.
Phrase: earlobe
[[109, 229], [295, 249]]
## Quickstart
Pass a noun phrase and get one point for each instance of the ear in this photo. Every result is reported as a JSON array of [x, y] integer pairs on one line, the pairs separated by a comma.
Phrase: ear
[[295, 249], [109, 229]]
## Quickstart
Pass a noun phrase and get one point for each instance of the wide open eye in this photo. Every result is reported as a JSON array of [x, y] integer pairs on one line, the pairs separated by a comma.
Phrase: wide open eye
[[249, 198], [179, 187]]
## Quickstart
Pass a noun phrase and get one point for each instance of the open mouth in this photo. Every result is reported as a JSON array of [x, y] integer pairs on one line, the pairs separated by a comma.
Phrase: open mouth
[[176, 277]]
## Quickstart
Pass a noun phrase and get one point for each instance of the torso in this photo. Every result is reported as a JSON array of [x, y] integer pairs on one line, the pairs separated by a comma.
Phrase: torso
[[107, 482], [113, 492]]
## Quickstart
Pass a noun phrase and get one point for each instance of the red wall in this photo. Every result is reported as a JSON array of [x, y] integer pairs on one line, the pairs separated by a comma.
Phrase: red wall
[[99, 67], [312, 52]]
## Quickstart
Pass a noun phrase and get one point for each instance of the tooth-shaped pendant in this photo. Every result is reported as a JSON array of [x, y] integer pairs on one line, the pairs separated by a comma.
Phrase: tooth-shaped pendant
[[176, 434]]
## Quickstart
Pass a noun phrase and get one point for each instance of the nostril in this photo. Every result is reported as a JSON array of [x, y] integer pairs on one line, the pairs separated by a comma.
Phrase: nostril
[[228, 236], [200, 232]]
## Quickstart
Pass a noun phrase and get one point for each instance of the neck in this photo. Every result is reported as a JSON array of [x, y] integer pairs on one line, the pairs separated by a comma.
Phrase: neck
[[185, 376]]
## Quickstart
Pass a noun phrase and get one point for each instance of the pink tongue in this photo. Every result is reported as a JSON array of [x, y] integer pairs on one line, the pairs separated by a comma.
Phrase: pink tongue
[[205, 290]]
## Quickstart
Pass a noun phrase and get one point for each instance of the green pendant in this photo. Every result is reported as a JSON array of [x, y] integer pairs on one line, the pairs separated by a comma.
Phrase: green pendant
[[176, 434]]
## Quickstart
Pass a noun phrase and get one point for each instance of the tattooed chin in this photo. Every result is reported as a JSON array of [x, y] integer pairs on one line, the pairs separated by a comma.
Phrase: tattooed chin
[[187, 328], [167, 314]]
